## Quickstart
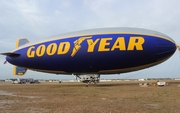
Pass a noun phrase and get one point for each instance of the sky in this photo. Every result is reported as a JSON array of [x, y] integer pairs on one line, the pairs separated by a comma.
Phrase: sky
[[37, 19]]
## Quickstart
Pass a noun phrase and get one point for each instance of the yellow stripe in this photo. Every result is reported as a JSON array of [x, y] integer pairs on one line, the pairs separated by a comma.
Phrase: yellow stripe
[[14, 70], [17, 43], [83, 35]]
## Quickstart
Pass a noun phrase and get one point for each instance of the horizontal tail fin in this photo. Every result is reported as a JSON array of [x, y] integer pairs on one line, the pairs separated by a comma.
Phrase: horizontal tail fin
[[19, 71], [19, 42], [10, 54]]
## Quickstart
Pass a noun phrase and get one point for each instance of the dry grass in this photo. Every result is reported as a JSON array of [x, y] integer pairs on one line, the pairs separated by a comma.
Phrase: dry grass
[[100, 98]]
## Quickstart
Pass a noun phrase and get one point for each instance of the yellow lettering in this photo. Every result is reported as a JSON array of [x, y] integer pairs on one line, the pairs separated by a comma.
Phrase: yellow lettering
[[63, 47], [91, 44], [119, 44], [30, 52], [51, 49], [103, 43], [40, 50], [136, 42]]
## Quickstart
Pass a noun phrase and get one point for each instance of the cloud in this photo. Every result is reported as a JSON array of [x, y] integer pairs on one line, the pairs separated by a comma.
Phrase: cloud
[[36, 19], [147, 14]]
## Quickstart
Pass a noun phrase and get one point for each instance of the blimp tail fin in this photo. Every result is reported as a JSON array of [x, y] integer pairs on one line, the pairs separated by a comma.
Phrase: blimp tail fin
[[10, 54], [19, 42], [19, 71], [22, 41]]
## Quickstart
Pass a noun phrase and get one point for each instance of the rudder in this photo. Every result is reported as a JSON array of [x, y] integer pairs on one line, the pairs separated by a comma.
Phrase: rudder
[[20, 42], [19, 71]]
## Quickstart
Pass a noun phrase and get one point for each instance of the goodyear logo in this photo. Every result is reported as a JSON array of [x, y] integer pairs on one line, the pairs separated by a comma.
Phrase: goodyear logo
[[135, 42]]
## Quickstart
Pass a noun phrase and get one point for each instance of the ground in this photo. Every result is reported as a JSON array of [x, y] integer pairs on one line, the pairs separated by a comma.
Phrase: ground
[[105, 97]]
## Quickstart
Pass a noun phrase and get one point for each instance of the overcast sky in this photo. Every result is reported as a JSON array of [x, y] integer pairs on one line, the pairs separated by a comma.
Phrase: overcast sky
[[37, 19]]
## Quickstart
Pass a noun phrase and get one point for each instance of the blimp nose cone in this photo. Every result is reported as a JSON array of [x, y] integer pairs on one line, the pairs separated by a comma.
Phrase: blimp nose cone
[[165, 48]]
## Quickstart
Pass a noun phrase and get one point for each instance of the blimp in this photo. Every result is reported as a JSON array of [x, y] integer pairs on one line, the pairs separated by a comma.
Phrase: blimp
[[87, 54]]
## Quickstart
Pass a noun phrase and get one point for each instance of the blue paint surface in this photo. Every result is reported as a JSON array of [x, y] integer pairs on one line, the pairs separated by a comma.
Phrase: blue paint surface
[[155, 50]]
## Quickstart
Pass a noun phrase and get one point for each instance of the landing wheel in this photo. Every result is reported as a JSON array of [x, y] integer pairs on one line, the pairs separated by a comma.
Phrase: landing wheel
[[86, 84]]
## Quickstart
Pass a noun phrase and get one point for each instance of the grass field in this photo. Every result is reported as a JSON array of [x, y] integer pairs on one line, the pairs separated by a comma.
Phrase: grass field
[[113, 97]]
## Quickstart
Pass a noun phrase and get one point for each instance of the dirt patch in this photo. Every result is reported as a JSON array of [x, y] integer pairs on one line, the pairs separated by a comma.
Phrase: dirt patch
[[152, 105], [5, 93], [11, 94], [101, 98]]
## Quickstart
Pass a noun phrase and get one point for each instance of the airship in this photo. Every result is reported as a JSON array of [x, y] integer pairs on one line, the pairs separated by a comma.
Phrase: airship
[[87, 54]]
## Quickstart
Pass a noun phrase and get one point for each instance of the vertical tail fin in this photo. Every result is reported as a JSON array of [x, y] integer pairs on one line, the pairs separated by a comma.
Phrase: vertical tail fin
[[19, 71], [20, 42]]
